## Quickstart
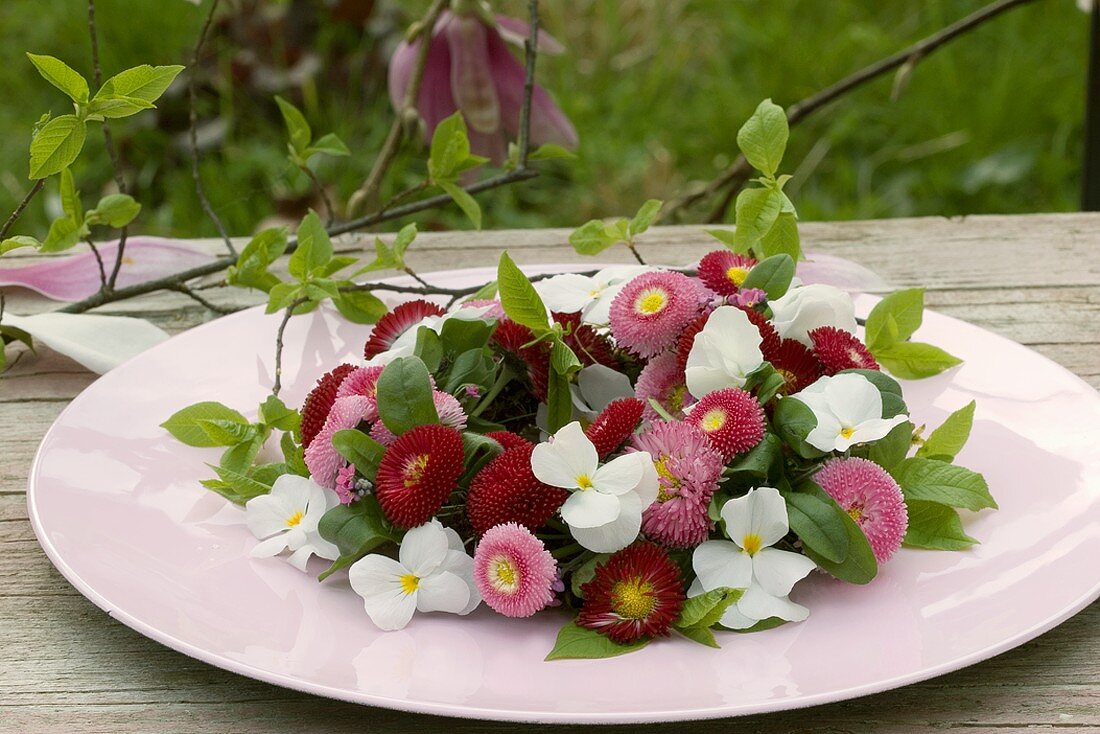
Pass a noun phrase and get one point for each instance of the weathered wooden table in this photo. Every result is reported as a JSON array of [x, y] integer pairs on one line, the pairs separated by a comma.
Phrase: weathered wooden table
[[68, 667]]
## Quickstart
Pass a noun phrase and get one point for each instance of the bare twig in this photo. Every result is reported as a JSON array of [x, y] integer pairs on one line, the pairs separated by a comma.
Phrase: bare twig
[[739, 171], [35, 188], [530, 53], [330, 212], [99, 262], [405, 116], [190, 293], [279, 344], [193, 133]]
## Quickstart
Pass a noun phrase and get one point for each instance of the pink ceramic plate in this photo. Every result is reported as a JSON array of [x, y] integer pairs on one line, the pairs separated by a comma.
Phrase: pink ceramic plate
[[117, 506]]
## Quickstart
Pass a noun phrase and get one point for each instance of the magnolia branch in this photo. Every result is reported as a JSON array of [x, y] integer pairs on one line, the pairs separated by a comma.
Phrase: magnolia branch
[[734, 177], [279, 344], [14, 217]]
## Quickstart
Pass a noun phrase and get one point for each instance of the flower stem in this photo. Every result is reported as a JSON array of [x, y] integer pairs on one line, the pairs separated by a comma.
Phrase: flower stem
[[501, 382]]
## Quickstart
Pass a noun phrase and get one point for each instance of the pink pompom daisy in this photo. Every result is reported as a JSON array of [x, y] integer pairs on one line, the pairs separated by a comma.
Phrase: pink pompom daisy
[[731, 419], [688, 470], [514, 572], [447, 406], [663, 380], [321, 457], [650, 311], [873, 499], [362, 381], [345, 484]]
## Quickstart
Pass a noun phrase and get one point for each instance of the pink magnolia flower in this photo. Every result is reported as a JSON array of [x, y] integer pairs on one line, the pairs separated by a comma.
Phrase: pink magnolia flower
[[470, 68]]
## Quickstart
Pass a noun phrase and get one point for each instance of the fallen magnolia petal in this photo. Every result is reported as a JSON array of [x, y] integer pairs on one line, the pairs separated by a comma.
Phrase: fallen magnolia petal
[[840, 273], [99, 343], [75, 277]]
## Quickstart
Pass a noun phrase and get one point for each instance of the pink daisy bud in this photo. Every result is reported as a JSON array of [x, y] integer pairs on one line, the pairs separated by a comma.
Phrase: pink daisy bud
[[731, 419], [662, 379], [650, 311], [871, 496], [514, 572], [345, 484], [321, 457]]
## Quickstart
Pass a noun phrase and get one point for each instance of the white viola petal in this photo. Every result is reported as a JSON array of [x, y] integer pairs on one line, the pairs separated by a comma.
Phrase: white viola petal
[[273, 546], [567, 456], [825, 436], [299, 557], [442, 592], [295, 538], [733, 618], [876, 428], [568, 292], [377, 579], [599, 385], [804, 308], [454, 541], [99, 343], [777, 571], [423, 548], [720, 563], [614, 536], [723, 353], [768, 515], [295, 491], [590, 509], [598, 312], [461, 565], [319, 504], [756, 603], [266, 515], [650, 485], [321, 547], [622, 474], [622, 274], [852, 398]]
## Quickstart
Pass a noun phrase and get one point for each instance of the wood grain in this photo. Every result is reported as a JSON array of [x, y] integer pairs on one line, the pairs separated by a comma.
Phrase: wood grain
[[70, 667]]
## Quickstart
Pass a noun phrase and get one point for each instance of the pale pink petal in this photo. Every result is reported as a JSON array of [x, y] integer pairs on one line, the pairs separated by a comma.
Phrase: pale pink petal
[[435, 101], [74, 277], [514, 30], [548, 123], [471, 75], [840, 273], [490, 145]]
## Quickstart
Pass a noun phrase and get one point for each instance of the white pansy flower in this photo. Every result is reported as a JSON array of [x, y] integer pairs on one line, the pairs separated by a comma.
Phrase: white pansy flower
[[432, 573], [754, 523], [848, 408], [596, 387], [724, 353], [590, 295], [604, 511], [287, 518], [805, 308]]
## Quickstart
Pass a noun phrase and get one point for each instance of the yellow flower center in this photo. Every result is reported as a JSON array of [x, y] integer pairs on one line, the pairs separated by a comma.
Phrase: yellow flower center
[[751, 543], [584, 482], [789, 381], [855, 512], [294, 519], [409, 583], [676, 398], [651, 301], [414, 470], [847, 432], [633, 598], [668, 479], [713, 420], [737, 275], [503, 574]]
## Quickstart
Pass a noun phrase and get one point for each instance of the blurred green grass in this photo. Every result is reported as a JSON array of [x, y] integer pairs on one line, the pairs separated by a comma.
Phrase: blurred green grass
[[657, 90]]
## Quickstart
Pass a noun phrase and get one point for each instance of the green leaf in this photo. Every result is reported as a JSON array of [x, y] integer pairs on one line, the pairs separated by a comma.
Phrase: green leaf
[[145, 83], [405, 395], [859, 565], [114, 210], [275, 413], [585, 573], [222, 432], [62, 76], [702, 635], [113, 107], [359, 449], [549, 151], [890, 450], [477, 450], [793, 420], [559, 402], [816, 522], [764, 624], [576, 642], [184, 424], [763, 137], [518, 297], [429, 348], [56, 146], [70, 197], [296, 124], [254, 260], [937, 481], [19, 240], [64, 233], [892, 401], [329, 144], [760, 458], [562, 359], [756, 212], [314, 247], [359, 307], [593, 237], [239, 458], [782, 238], [727, 237], [459, 335], [947, 441], [772, 275], [293, 455], [401, 242], [936, 527], [914, 360], [466, 203], [706, 609], [645, 216], [235, 486], [282, 295], [449, 149], [356, 530], [905, 308]]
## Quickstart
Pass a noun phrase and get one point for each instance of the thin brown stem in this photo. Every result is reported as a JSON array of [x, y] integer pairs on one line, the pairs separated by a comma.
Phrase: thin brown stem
[[279, 344], [190, 293], [330, 212], [99, 262], [530, 48], [739, 171], [14, 217], [405, 116], [409, 271], [193, 132]]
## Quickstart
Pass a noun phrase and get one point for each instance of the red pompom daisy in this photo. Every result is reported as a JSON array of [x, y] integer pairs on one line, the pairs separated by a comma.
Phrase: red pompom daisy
[[590, 346], [319, 402], [723, 271], [417, 474], [871, 496], [397, 322], [686, 340], [615, 424], [506, 490], [731, 419], [838, 350], [635, 594], [650, 311], [769, 337], [508, 440], [515, 340], [796, 364], [513, 571]]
